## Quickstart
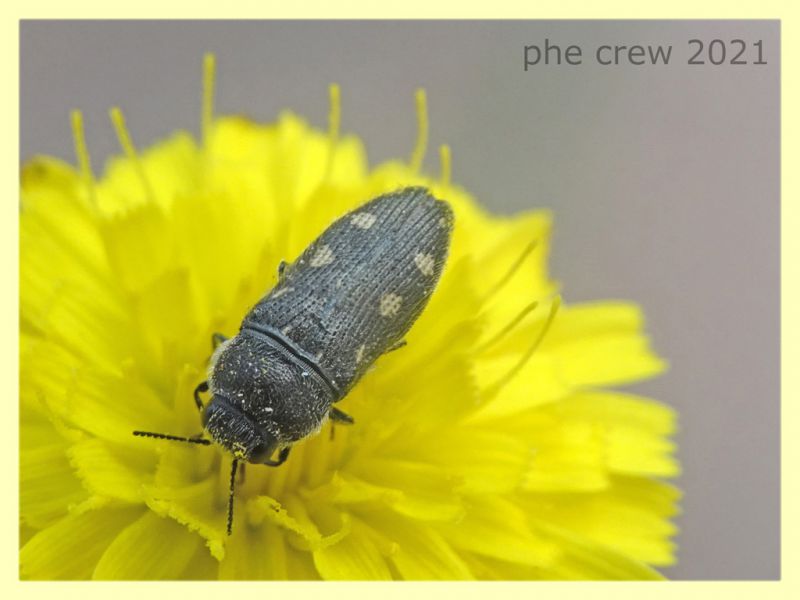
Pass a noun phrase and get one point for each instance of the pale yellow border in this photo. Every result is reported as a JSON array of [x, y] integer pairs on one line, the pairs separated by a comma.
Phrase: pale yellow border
[[234, 9]]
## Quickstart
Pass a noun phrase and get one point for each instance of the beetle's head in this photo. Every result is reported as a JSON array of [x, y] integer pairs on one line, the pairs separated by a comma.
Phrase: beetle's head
[[238, 433]]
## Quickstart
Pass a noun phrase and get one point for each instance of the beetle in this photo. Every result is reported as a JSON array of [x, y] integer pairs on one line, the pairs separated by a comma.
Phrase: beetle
[[349, 298]]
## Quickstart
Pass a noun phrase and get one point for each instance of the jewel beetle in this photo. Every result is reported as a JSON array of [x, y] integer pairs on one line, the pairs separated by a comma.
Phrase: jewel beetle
[[349, 298]]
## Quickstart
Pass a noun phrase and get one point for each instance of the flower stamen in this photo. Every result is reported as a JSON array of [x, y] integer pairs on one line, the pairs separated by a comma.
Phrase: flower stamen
[[505, 330], [445, 165], [495, 388], [82, 153], [418, 155], [501, 283], [126, 143], [209, 81], [334, 122]]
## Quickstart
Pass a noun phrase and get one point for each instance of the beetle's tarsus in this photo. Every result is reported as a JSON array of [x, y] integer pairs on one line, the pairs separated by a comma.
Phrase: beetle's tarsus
[[282, 456], [339, 416], [201, 388], [396, 346]]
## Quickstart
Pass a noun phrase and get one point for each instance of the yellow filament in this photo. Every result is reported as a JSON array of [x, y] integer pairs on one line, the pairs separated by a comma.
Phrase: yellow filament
[[209, 81], [334, 122], [495, 388], [422, 131], [514, 322], [125, 142], [82, 153], [445, 164], [510, 273]]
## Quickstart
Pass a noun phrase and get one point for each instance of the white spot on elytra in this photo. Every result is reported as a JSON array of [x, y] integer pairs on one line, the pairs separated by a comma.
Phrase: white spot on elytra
[[363, 220], [323, 256], [281, 292], [390, 304], [424, 263], [360, 353]]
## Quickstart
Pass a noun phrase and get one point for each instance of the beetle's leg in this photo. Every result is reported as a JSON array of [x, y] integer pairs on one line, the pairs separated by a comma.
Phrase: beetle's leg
[[281, 269], [396, 346], [284, 454], [200, 389], [339, 416], [241, 473], [217, 339]]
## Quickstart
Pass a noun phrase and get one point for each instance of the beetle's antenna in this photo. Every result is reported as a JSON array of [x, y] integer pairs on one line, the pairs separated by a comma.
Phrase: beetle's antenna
[[174, 438], [230, 497]]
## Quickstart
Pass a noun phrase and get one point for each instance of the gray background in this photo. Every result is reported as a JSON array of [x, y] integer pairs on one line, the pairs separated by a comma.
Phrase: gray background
[[663, 180]]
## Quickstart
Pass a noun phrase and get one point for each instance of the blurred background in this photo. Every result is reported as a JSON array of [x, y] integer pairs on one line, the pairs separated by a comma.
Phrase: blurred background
[[664, 183]]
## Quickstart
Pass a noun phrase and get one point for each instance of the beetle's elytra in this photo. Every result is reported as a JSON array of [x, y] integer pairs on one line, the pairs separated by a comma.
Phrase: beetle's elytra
[[350, 297]]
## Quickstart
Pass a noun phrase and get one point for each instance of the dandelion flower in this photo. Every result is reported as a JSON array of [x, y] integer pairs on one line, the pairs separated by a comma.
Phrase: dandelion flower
[[491, 447]]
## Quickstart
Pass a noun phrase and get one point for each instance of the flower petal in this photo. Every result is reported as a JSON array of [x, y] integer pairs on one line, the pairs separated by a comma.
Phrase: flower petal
[[202, 566], [255, 553], [112, 470], [150, 548], [582, 559], [298, 522], [630, 517], [139, 244], [602, 344], [486, 461], [175, 321], [497, 528], [48, 485], [421, 553], [112, 407], [497, 245], [356, 557], [199, 507], [71, 547], [588, 345], [635, 431], [170, 167], [413, 489], [58, 229]]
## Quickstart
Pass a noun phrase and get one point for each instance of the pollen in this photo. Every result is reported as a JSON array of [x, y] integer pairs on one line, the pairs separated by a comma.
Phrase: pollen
[[424, 263], [390, 304], [363, 220], [323, 256]]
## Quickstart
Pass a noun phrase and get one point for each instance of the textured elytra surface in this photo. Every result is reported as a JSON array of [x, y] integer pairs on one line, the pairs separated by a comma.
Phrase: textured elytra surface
[[359, 287], [352, 295]]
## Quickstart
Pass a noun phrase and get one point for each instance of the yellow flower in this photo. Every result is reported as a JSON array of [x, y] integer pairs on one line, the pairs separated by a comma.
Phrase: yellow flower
[[472, 455]]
